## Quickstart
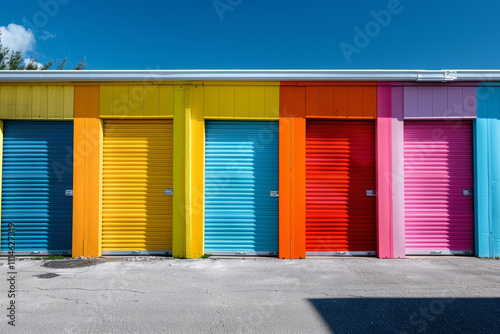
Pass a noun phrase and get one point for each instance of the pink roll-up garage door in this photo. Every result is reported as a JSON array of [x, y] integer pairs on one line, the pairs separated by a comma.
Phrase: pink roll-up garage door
[[439, 206]]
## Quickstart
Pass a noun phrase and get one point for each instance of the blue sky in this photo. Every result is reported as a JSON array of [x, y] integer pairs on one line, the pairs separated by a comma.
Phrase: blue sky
[[262, 34]]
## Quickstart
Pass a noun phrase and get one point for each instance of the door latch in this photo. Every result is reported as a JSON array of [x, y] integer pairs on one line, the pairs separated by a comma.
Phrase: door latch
[[467, 192]]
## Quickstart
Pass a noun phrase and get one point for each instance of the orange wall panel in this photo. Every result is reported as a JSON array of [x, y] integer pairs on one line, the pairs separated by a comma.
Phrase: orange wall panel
[[285, 173], [340, 102], [298, 187], [87, 173], [292, 172], [325, 101], [298, 102], [355, 102], [370, 102], [334, 100], [284, 187], [312, 101]]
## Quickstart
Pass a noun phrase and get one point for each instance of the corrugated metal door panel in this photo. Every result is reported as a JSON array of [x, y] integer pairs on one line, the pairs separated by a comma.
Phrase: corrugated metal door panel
[[439, 219], [37, 170], [137, 168], [241, 170], [340, 168]]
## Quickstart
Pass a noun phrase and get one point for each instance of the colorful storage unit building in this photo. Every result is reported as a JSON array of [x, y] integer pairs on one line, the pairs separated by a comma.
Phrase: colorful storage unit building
[[269, 163], [37, 168], [328, 173]]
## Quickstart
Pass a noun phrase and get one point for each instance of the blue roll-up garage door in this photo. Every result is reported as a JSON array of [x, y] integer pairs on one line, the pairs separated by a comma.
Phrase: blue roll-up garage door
[[37, 183], [241, 184]]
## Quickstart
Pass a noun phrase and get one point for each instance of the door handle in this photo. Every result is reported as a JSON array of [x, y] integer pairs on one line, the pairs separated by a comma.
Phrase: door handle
[[467, 192]]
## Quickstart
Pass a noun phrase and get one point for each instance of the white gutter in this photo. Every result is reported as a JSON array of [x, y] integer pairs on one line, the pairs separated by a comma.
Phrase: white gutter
[[249, 75]]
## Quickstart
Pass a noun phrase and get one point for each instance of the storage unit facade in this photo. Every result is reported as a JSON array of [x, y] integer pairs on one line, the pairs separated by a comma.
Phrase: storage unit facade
[[37, 169], [327, 174], [290, 169]]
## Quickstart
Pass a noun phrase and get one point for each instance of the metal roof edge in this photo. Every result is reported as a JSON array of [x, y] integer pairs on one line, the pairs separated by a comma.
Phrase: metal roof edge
[[249, 75]]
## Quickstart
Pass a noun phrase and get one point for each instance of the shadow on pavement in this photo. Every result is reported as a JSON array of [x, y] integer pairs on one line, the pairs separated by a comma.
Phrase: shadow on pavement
[[410, 315]]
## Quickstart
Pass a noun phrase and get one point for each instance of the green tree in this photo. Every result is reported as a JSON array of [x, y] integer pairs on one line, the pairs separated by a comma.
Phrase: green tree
[[13, 60]]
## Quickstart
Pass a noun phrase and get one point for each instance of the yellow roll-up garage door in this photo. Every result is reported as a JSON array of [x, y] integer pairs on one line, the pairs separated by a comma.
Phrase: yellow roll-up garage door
[[137, 187]]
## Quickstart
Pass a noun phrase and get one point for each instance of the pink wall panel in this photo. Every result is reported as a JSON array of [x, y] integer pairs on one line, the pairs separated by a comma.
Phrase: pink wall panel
[[469, 102], [455, 101], [384, 173], [440, 102], [398, 213], [424, 102], [428, 102], [411, 101]]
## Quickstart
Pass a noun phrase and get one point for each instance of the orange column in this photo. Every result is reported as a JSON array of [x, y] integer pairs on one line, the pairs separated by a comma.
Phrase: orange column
[[87, 180], [292, 173]]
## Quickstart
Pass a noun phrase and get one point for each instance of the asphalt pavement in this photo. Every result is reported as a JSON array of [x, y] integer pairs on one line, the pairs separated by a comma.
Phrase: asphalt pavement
[[264, 295]]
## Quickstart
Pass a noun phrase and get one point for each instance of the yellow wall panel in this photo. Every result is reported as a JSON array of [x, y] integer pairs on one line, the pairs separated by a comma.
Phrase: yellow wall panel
[[241, 83], [123, 100], [166, 101], [211, 104], [55, 101], [69, 102], [272, 102], [23, 102], [151, 102], [179, 177], [8, 102], [120, 102], [39, 96], [136, 101], [106, 101], [36, 101], [257, 102], [226, 102], [197, 177], [242, 101]]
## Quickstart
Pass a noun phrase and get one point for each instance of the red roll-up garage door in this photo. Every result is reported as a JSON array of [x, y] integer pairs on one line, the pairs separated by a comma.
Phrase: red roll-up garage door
[[340, 186], [439, 206]]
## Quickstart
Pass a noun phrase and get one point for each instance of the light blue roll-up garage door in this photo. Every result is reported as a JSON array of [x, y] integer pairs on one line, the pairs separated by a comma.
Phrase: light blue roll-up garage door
[[37, 183], [241, 184]]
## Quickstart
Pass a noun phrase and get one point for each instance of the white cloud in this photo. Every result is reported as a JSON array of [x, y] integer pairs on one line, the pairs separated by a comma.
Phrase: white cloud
[[18, 38], [28, 60]]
